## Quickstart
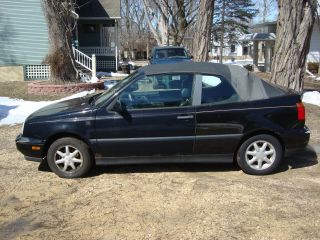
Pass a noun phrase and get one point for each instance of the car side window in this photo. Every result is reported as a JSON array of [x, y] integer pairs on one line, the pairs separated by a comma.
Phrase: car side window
[[158, 91], [217, 90]]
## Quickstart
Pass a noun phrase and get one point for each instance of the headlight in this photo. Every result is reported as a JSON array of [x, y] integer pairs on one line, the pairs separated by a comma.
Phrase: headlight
[[22, 127]]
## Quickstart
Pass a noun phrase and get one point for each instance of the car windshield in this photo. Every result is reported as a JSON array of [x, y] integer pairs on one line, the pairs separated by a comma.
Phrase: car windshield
[[171, 53], [108, 93]]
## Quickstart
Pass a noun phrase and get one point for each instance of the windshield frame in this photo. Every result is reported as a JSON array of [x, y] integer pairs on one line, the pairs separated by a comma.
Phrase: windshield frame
[[186, 55]]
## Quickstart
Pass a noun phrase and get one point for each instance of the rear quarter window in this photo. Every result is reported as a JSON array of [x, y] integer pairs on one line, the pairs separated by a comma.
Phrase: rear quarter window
[[217, 90]]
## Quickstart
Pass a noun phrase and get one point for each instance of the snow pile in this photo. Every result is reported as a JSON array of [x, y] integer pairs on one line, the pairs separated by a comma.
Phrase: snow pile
[[110, 83], [312, 98], [13, 111], [111, 74], [241, 63]]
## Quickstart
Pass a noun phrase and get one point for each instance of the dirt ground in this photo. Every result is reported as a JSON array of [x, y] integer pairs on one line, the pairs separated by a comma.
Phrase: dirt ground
[[207, 201]]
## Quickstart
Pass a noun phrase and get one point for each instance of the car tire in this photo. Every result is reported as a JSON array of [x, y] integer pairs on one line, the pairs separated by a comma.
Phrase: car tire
[[260, 155], [69, 158]]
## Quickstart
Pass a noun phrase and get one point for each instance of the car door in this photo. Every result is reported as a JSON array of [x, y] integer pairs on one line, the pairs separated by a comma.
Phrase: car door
[[157, 118], [218, 126]]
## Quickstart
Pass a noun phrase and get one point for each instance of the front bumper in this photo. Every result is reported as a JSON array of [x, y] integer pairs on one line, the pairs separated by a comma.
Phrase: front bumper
[[31, 148]]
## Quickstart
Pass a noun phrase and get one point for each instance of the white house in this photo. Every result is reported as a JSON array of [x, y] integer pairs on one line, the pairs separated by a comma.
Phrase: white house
[[314, 52]]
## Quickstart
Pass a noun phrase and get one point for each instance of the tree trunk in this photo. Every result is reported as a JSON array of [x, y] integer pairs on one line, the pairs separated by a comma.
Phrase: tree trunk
[[202, 35], [222, 31], [60, 25], [294, 29], [128, 28], [161, 34]]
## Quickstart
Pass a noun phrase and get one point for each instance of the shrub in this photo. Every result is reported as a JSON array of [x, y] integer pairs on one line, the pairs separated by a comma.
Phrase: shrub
[[313, 67]]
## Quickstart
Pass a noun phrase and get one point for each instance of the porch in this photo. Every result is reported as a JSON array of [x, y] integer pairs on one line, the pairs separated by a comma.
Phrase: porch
[[99, 38], [96, 32], [263, 48]]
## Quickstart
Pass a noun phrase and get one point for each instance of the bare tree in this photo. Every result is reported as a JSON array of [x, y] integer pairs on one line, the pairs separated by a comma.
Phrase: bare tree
[[202, 35], [58, 14], [157, 18], [170, 19], [135, 32], [266, 8], [294, 29]]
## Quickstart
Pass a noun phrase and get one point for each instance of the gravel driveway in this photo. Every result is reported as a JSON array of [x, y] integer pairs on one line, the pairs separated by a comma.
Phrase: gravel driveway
[[159, 202]]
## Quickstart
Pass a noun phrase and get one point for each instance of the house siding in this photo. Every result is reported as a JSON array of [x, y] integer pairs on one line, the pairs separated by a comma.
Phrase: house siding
[[23, 33]]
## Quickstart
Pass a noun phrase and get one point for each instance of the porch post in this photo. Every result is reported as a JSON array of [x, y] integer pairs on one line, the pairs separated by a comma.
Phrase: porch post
[[94, 66], [255, 53], [116, 42], [267, 61]]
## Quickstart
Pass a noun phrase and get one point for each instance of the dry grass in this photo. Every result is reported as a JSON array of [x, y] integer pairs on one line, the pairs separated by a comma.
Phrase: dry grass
[[309, 83], [190, 201]]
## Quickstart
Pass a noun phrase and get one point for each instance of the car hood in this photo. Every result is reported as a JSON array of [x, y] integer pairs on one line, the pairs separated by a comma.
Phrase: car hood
[[171, 60], [60, 109]]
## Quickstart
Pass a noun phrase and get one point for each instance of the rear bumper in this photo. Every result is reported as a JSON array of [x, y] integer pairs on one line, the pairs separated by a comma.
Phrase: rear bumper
[[296, 138], [31, 148]]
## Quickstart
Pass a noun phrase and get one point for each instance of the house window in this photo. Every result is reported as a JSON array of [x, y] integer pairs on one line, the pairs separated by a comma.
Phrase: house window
[[245, 51], [233, 48]]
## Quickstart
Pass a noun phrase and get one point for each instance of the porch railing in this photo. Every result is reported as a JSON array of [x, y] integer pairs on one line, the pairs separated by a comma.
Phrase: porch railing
[[85, 61], [99, 51]]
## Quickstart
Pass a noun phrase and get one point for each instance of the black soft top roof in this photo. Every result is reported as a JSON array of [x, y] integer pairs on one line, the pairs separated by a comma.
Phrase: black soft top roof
[[247, 85]]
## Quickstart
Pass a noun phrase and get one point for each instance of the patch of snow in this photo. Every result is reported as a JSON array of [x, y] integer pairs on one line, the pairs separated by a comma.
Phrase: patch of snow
[[235, 62], [312, 98], [110, 83], [94, 79], [14, 111], [76, 95], [131, 63]]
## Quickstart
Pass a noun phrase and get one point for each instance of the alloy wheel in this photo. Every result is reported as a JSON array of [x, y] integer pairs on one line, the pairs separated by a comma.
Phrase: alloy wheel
[[68, 158], [260, 155]]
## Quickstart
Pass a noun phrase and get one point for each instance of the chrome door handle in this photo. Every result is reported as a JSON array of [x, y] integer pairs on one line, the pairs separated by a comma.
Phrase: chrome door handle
[[183, 117]]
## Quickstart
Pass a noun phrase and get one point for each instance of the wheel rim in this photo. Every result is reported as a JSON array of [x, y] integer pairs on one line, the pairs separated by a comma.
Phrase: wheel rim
[[68, 158], [260, 155]]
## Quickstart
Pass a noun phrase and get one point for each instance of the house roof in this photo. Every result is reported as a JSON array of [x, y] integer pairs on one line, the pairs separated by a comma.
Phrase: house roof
[[98, 9], [258, 37], [265, 24]]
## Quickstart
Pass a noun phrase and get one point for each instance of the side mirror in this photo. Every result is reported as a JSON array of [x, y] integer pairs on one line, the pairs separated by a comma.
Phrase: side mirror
[[118, 106]]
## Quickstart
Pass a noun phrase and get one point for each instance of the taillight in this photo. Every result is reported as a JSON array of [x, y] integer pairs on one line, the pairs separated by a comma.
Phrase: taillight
[[301, 112]]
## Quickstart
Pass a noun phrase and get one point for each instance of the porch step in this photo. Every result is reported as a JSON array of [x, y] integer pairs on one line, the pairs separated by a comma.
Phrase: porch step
[[85, 74]]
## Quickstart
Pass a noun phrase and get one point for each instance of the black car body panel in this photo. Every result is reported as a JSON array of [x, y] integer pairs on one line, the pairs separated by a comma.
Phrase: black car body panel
[[190, 132]]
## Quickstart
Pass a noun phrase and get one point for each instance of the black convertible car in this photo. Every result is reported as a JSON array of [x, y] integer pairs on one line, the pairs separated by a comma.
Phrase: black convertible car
[[185, 112]]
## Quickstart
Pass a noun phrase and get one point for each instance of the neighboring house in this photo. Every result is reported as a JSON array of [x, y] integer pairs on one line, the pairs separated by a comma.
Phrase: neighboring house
[[263, 38], [259, 45], [314, 52], [24, 36], [230, 50], [98, 31]]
